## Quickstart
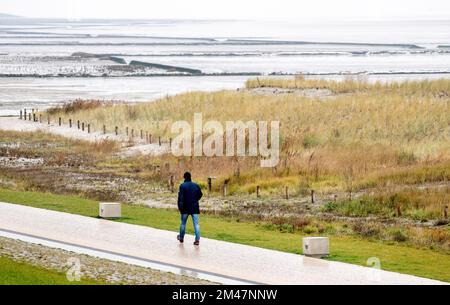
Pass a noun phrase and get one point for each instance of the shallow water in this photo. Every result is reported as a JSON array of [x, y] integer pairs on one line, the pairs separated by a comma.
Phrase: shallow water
[[38, 67], [40, 93]]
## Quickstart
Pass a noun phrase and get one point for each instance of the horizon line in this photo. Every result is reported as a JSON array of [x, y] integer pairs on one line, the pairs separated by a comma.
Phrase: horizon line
[[343, 19]]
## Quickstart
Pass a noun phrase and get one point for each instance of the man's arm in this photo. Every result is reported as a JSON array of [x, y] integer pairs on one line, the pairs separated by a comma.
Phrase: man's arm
[[200, 194], [180, 198]]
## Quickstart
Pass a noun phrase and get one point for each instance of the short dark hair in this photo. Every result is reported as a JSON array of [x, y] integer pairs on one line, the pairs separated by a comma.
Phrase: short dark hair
[[187, 176]]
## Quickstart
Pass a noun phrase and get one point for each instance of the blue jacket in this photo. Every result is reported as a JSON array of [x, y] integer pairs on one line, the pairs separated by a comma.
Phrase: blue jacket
[[188, 196]]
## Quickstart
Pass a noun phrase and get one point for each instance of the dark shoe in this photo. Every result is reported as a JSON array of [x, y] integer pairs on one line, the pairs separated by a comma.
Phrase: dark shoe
[[196, 243], [179, 239]]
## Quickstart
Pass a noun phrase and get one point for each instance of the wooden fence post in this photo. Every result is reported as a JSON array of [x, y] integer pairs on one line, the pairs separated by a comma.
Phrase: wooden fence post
[[116, 130], [59, 121], [21, 114], [159, 141], [40, 118], [25, 114], [104, 129], [258, 191], [150, 139], [78, 124], [29, 116], [48, 119], [132, 132], [82, 126], [286, 191], [142, 134], [399, 210], [172, 183], [446, 212], [34, 117], [126, 131], [89, 128], [225, 189], [70, 123], [312, 196], [209, 184]]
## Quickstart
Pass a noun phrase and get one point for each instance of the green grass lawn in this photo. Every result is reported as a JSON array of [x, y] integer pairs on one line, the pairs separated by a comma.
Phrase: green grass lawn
[[15, 273], [394, 257]]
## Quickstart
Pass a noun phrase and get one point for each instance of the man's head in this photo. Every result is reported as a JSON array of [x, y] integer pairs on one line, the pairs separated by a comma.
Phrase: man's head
[[187, 176]]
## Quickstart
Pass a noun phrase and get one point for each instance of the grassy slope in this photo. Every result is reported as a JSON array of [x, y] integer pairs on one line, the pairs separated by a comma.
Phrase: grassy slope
[[15, 273], [369, 135], [414, 119], [420, 262]]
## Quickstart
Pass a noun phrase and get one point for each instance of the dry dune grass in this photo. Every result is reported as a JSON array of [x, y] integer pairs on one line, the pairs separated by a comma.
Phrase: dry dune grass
[[440, 87], [77, 105], [376, 134]]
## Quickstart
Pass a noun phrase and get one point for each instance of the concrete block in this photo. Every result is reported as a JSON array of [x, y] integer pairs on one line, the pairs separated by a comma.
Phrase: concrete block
[[110, 210], [317, 247]]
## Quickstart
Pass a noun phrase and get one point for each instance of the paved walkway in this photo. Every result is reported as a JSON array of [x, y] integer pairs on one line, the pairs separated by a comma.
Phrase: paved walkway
[[217, 257]]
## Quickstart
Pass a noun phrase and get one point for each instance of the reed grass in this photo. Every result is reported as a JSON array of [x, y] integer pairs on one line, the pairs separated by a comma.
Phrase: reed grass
[[376, 133], [440, 87]]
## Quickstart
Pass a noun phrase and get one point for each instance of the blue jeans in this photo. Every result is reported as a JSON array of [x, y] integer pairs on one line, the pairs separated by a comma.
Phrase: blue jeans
[[184, 218]]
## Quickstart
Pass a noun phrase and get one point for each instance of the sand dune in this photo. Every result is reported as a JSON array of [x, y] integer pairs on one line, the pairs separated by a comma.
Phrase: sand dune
[[130, 148]]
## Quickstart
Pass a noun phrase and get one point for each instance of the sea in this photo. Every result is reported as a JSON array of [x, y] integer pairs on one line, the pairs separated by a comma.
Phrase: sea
[[46, 62]]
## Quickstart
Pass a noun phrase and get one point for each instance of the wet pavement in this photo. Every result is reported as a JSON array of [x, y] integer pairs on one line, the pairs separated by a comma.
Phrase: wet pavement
[[230, 260]]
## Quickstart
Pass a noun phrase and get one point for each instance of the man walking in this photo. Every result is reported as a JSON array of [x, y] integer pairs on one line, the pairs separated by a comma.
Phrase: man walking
[[188, 197]]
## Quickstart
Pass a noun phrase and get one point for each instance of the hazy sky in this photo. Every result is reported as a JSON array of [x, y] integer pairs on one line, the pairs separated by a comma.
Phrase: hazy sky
[[230, 9]]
